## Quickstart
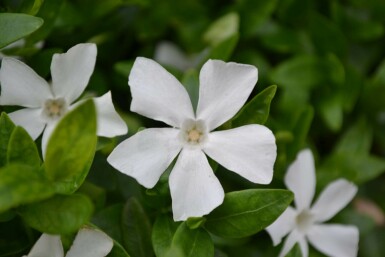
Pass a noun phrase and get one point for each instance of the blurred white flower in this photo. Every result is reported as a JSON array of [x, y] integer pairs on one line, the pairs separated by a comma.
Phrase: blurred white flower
[[88, 243], [249, 150], [305, 222], [16, 46], [46, 104]]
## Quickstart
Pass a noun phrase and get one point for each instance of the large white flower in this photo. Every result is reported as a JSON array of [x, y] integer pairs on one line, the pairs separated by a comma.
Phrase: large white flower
[[88, 243], [47, 104], [305, 223], [249, 151]]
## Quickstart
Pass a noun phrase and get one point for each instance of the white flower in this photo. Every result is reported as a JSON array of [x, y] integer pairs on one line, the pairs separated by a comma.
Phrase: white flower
[[305, 223], [88, 243], [249, 151], [47, 104]]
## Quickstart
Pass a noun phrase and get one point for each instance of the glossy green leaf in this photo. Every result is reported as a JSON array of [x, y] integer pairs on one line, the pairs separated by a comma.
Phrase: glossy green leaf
[[192, 242], [162, 234], [21, 184], [244, 213], [14, 26], [22, 149], [257, 110], [71, 148], [6, 129], [59, 214], [136, 229]]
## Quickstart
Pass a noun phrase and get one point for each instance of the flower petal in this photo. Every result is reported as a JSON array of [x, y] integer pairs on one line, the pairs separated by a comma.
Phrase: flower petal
[[249, 151], [195, 191], [90, 243], [71, 71], [147, 154], [20, 85], [335, 240], [282, 226], [300, 178], [47, 246], [224, 88], [30, 119], [157, 94], [293, 238], [333, 199], [109, 122]]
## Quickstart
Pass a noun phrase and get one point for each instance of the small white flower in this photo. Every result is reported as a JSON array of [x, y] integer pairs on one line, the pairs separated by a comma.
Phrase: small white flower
[[305, 223], [249, 151], [47, 104], [88, 243]]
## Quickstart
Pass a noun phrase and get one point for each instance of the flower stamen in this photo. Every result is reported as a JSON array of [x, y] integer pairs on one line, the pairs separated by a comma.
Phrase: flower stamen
[[54, 108]]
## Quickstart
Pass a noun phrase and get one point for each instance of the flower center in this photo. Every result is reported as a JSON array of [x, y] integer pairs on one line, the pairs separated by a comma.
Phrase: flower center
[[193, 132], [54, 108], [304, 220]]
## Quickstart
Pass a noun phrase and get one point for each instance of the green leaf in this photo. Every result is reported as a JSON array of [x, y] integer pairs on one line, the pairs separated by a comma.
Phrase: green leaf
[[331, 109], [244, 213], [192, 242], [6, 129], [224, 49], [58, 215], [136, 229], [221, 29], [14, 26], [294, 252], [162, 234], [21, 184], [22, 148], [71, 148], [31, 6], [191, 82], [257, 110]]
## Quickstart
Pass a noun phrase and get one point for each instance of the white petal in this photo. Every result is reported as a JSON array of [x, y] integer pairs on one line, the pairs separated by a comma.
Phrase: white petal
[[335, 240], [30, 119], [195, 191], [293, 238], [109, 122], [20, 85], [333, 199], [46, 136], [224, 88], [90, 243], [282, 226], [249, 151], [147, 154], [157, 94], [300, 178], [71, 71], [47, 246]]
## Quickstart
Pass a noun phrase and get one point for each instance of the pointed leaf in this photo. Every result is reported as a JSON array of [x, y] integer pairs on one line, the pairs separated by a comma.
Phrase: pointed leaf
[[257, 110], [136, 229], [14, 26], [59, 214], [21, 184], [6, 128], [192, 242], [244, 213], [162, 234], [22, 148], [71, 148]]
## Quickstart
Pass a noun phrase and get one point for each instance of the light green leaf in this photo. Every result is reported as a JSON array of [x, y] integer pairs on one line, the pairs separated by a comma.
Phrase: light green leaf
[[14, 26], [22, 148], [192, 242], [224, 49], [244, 213], [59, 214], [21, 184], [136, 229], [331, 109], [190, 81], [6, 129], [71, 148], [222, 29], [162, 234], [257, 110]]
